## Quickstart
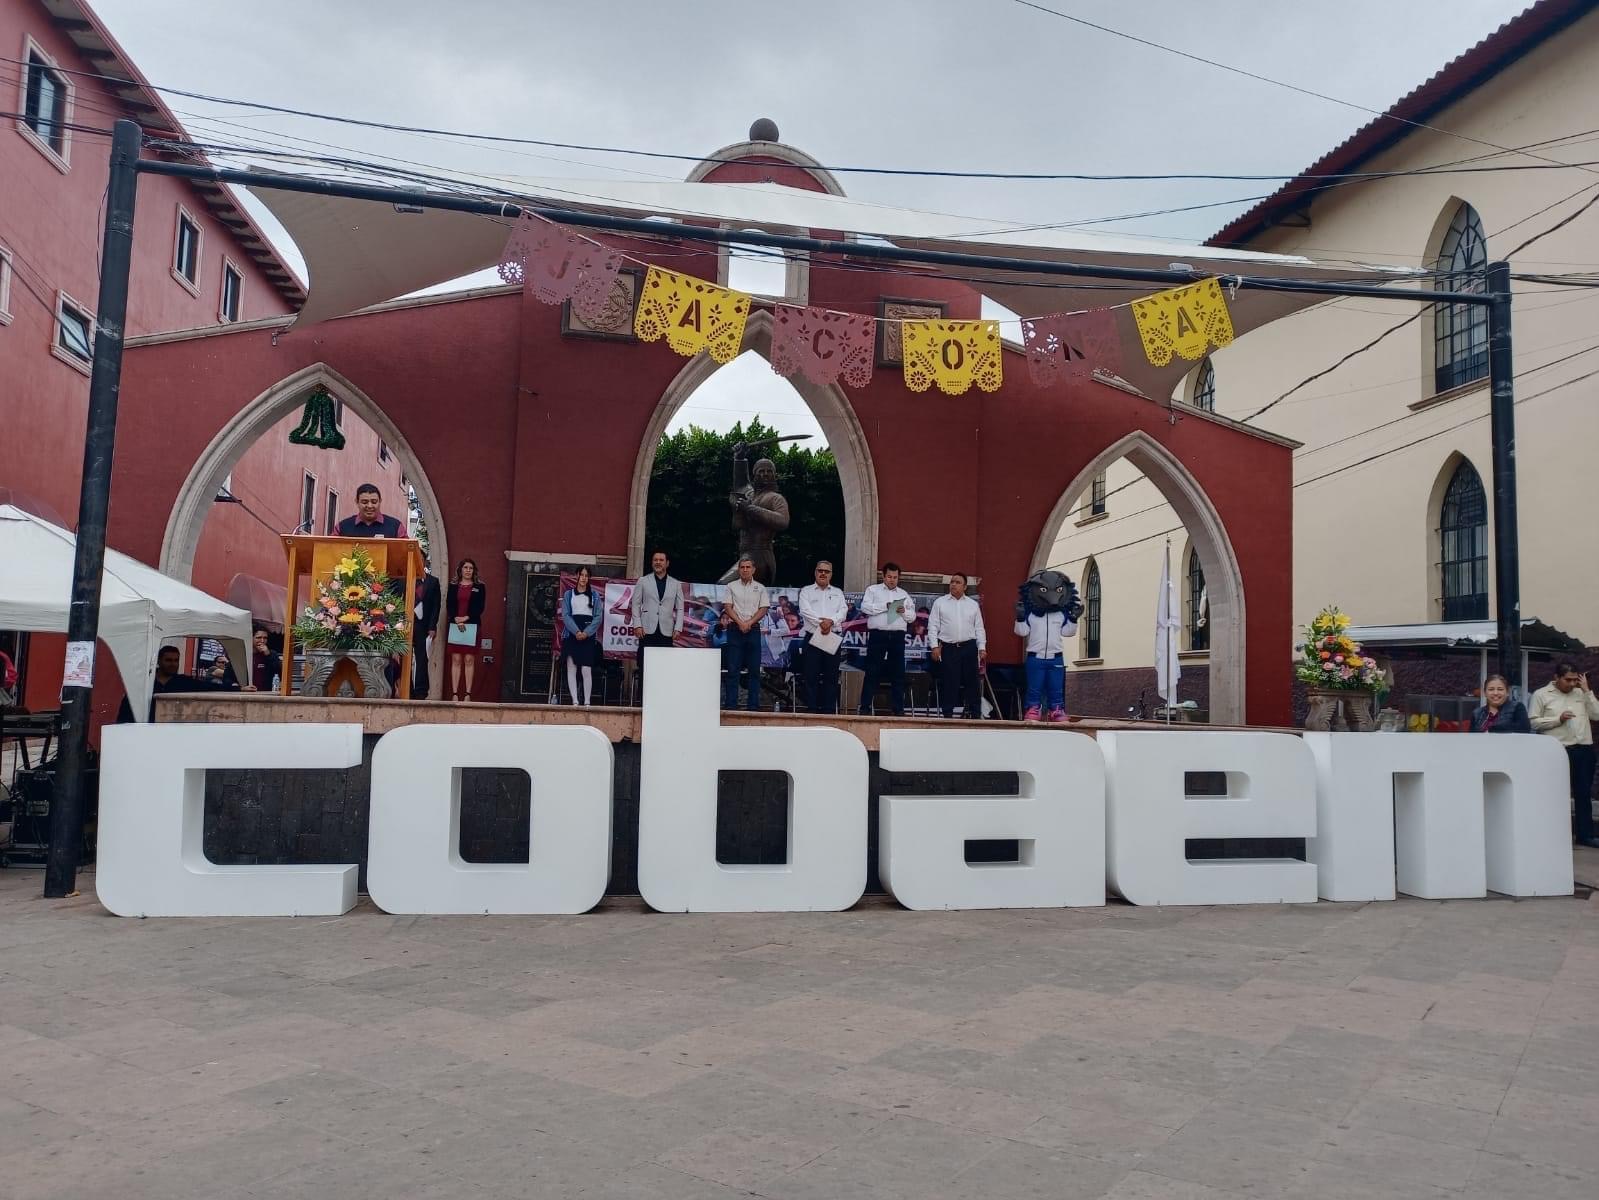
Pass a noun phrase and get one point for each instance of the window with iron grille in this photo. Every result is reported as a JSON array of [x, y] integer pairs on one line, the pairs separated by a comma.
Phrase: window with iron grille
[[1096, 496], [1205, 387], [1198, 632], [1463, 542], [1460, 331], [1091, 609]]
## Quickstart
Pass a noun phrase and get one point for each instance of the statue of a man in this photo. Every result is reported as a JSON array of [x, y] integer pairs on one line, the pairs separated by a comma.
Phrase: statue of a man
[[760, 512]]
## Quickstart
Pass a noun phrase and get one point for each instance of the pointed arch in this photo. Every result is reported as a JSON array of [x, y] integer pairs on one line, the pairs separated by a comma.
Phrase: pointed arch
[[834, 413], [1224, 579], [182, 537], [1093, 610], [1458, 538], [1458, 250]]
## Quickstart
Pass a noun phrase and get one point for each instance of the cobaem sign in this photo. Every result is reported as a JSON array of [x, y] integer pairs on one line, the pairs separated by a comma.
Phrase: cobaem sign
[[1433, 816]]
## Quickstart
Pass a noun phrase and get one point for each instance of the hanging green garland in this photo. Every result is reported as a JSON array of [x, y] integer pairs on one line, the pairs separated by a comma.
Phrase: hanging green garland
[[319, 425]]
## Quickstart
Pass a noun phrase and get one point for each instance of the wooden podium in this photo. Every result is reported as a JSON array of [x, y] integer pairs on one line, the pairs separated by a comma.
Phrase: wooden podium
[[315, 557]]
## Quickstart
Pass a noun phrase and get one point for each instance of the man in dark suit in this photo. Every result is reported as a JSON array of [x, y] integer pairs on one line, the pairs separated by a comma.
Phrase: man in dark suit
[[426, 623]]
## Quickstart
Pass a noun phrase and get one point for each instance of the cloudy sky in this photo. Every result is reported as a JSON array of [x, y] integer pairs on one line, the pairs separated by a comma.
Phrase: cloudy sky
[[985, 85]]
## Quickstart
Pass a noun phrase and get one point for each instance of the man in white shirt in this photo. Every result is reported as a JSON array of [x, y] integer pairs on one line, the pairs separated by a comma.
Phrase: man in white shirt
[[1565, 709], [822, 609], [889, 610], [960, 647], [744, 610]]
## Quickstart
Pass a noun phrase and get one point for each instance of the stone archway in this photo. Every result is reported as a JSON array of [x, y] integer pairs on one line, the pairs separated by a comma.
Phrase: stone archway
[[193, 505], [1224, 579], [834, 414]]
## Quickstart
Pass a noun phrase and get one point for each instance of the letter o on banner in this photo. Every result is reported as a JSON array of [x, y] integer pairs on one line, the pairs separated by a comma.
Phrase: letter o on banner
[[414, 862], [1058, 819], [685, 746], [953, 354], [1271, 793], [151, 860]]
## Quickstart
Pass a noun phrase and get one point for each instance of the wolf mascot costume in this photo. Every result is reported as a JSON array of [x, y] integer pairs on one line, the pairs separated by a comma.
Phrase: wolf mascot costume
[[1047, 609]]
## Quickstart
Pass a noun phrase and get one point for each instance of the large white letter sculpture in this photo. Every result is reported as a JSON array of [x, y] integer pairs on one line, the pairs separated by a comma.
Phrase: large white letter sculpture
[[1271, 793], [1058, 817], [684, 748], [1458, 815], [151, 860], [414, 862]]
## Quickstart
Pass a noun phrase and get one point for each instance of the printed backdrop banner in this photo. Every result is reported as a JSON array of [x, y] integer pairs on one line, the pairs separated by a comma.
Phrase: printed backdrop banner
[[952, 354], [691, 315], [1187, 321], [782, 632]]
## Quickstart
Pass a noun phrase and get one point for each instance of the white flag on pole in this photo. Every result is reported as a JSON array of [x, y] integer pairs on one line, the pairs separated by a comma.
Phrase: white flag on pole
[[1168, 635]]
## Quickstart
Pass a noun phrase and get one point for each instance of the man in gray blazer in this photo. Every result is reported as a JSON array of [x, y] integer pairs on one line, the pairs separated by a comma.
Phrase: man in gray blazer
[[657, 609]]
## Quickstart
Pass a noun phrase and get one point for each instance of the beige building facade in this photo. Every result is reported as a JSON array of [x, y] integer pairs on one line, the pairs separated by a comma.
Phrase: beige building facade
[[1389, 401]]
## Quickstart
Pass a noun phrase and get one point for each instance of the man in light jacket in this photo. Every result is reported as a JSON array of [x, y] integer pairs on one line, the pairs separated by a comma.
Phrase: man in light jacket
[[657, 609], [1565, 709]]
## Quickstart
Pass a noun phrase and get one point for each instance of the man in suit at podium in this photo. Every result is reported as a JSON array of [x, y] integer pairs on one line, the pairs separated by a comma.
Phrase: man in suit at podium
[[369, 520]]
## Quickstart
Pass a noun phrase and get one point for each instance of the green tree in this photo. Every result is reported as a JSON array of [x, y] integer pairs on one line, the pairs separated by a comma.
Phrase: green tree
[[688, 514]]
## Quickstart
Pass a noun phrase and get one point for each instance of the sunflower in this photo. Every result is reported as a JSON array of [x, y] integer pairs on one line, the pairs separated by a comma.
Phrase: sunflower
[[354, 593], [351, 618]]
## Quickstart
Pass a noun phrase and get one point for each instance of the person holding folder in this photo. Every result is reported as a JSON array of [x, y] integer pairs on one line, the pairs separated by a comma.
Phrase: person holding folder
[[823, 610], [463, 610]]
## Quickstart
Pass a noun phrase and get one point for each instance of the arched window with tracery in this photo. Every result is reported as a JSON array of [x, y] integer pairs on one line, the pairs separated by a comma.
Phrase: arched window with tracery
[[1463, 546], [1460, 331], [1198, 614], [1092, 603], [1205, 387]]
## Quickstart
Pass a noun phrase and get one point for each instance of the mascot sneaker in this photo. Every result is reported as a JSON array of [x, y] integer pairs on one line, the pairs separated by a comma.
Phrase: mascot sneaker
[[1033, 715], [1057, 716]]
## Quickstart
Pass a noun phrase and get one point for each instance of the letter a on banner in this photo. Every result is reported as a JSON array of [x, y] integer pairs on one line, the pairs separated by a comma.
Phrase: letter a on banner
[[952, 354], [1187, 321], [691, 315]]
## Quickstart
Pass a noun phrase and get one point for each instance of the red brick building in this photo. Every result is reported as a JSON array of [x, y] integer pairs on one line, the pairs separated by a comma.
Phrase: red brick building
[[198, 261]]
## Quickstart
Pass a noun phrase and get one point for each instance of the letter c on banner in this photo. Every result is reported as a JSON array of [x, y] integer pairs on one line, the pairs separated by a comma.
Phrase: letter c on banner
[[816, 344], [414, 862], [151, 860], [1058, 819], [685, 746]]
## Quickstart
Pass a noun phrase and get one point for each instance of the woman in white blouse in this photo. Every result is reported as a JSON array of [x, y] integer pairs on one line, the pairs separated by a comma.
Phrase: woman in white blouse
[[582, 620]]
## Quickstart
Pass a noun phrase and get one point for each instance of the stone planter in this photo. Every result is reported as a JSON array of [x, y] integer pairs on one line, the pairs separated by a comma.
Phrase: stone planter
[[1339, 709], [324, 670]]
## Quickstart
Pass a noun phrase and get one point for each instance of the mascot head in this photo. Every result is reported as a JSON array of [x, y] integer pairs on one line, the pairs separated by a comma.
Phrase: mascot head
[[1050, 591]]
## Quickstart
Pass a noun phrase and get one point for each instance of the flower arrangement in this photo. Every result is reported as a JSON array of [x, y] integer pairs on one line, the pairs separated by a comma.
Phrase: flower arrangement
[[1330, 658], [355, 608]]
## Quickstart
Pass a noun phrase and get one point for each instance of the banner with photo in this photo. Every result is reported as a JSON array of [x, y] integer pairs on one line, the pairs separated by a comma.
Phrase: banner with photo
[[782, 631]]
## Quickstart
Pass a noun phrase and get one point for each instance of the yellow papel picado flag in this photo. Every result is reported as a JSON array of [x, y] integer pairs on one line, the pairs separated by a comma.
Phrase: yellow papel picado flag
[[691, 315], [952, 354], [1186, 321]]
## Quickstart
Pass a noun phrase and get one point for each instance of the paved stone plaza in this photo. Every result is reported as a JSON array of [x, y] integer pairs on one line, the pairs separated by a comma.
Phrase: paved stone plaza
[[1412, 1049]]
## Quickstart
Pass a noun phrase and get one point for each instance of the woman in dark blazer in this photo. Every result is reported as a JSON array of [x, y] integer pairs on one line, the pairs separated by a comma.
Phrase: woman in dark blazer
[[463, 610], [1499, 713]]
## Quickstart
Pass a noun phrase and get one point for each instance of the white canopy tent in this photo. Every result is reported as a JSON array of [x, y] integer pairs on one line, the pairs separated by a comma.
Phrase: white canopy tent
[[360, 253], [140, 608]]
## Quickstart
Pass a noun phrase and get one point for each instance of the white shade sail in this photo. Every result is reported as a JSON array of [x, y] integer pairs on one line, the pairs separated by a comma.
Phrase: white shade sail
[[140, 608], [360, 252]]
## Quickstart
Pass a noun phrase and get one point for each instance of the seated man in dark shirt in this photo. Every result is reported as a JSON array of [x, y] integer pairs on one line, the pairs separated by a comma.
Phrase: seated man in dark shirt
[[168, 679], [369, 521]]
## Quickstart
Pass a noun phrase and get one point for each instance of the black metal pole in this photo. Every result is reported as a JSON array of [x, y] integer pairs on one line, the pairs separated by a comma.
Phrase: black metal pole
[[511, 209], [1507, 549], [83, 618]]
